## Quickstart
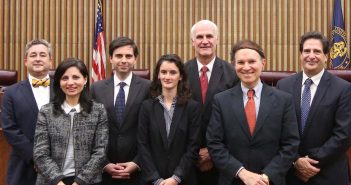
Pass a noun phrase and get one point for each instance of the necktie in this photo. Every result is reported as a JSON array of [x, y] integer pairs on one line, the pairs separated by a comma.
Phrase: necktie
[[305, 103], [120, 103], [204, 83], [250, 111], [44, 82]]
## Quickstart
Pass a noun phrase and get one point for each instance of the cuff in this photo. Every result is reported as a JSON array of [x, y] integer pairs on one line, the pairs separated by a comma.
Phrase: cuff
[[177, 178], [237, 173], [158, 181]]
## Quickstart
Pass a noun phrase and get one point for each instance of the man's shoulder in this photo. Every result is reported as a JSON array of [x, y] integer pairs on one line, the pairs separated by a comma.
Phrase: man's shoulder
[[100, 83]]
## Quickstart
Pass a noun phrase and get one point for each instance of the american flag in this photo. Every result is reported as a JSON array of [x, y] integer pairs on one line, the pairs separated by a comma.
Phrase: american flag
[[99, 54]]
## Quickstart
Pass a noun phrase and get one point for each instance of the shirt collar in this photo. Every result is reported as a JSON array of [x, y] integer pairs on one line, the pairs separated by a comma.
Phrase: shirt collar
[[67, 108], [128, 80], [257, 89], [315, 79], [209, 65]]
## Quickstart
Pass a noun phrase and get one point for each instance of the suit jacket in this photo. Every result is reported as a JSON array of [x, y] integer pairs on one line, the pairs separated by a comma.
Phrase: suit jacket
[[271, 149], [162, 156], [122, 145], [326, 136], [19, 117], [222, 78], [90, 133]]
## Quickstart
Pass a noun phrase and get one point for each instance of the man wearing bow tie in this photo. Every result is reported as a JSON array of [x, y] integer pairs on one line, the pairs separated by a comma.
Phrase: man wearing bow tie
[[20, 107]]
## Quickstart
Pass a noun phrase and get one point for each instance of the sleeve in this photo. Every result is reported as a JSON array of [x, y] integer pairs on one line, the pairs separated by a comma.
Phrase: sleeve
[[340, 138], [148, 168], [190, 156], [94, 166], [289, 142], [12, 131], [42, 153], [225, 163]]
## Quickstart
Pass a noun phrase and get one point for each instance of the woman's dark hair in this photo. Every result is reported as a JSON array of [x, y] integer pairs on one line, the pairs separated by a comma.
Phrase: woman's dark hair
[[84, 98], [183, 90]]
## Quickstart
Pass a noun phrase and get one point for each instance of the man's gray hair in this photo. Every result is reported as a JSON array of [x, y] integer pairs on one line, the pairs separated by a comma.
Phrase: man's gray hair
[[38, 42]]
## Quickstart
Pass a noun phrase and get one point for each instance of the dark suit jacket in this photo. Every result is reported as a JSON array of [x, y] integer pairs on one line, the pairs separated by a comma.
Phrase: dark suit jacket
[[122, 145], [326, 136], [19, 117], [271, 149], [222, 78], [162, 157]]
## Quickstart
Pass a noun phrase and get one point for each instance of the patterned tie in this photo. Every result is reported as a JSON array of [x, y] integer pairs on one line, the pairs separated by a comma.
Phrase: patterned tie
[[305, 103], [44, 82], [250, 111], [204, 83], [120, 103]]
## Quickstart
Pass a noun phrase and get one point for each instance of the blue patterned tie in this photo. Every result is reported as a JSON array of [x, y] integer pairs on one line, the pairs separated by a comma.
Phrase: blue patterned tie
[[120, 103], [305, 103]]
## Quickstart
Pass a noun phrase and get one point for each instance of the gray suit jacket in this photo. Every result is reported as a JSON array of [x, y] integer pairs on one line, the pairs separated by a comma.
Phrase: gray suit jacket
[[90, 133], [327, 134], [271, 149], [122, 145]]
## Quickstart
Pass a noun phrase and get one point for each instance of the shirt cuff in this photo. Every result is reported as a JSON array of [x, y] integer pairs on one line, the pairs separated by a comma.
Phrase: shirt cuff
[[237, 173], [158, 181], [177, 179]]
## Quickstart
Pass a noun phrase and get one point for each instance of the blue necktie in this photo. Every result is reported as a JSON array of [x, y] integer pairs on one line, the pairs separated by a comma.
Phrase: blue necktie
[[305, 103], [120, 103]]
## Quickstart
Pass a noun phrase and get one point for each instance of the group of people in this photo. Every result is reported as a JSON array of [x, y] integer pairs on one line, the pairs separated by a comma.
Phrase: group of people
[[201, 122]]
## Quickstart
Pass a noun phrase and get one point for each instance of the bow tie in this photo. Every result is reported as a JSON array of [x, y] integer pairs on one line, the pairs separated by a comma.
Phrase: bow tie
[[44, 82]]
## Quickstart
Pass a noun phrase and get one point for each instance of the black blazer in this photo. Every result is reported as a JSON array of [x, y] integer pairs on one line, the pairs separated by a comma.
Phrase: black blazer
[[271, 149], [162, 157], [122, 145], [223, 77], [19, 117], [327, 134]]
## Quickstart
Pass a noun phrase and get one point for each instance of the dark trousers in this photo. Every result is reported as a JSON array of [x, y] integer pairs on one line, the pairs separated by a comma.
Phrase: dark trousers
[[207, 178], [70, 181]]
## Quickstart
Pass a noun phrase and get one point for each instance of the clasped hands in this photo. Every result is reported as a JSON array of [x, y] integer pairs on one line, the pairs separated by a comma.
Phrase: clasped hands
[[251, 178], [204, 162], [305, 169], [121, 170]]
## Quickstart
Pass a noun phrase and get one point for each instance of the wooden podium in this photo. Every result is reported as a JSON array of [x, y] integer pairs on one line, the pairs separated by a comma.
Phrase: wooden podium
[[4, 148]]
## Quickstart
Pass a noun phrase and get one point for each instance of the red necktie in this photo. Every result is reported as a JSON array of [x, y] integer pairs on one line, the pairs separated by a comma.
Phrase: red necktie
[[203, 83], [250, 111]]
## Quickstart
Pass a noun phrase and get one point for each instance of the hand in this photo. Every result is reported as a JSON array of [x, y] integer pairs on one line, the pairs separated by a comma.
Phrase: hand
[[115, 170], [169, 181], [305, 169], [250, 178], [126, 170], [61, 183], [75, 183], [204, 163]]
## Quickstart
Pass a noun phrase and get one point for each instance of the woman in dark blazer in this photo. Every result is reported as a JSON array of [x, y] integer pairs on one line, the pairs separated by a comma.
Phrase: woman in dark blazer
[[71, 133], [169, 125]]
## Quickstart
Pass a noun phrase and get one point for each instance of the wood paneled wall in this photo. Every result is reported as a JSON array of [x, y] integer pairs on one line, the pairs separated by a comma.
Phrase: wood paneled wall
[[162, 26]]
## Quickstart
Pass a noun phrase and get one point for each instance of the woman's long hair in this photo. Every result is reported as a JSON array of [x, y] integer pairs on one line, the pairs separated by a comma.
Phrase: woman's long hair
[[84, 98], [183, 90]]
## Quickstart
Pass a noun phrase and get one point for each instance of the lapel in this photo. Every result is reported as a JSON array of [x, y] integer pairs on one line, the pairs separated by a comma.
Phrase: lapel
[[266, 102], [317, 99], [239, 110], [160, 121], [195, 79], [215, 78], [297, 98], [108, 89], [28, 95], [52, 95], [132, 95], [177, 115]]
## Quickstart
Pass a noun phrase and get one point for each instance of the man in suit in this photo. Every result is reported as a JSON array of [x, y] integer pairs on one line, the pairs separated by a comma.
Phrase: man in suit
[[252, 135], [324, 117], [208, 75], [21, 104], [122, 165]]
